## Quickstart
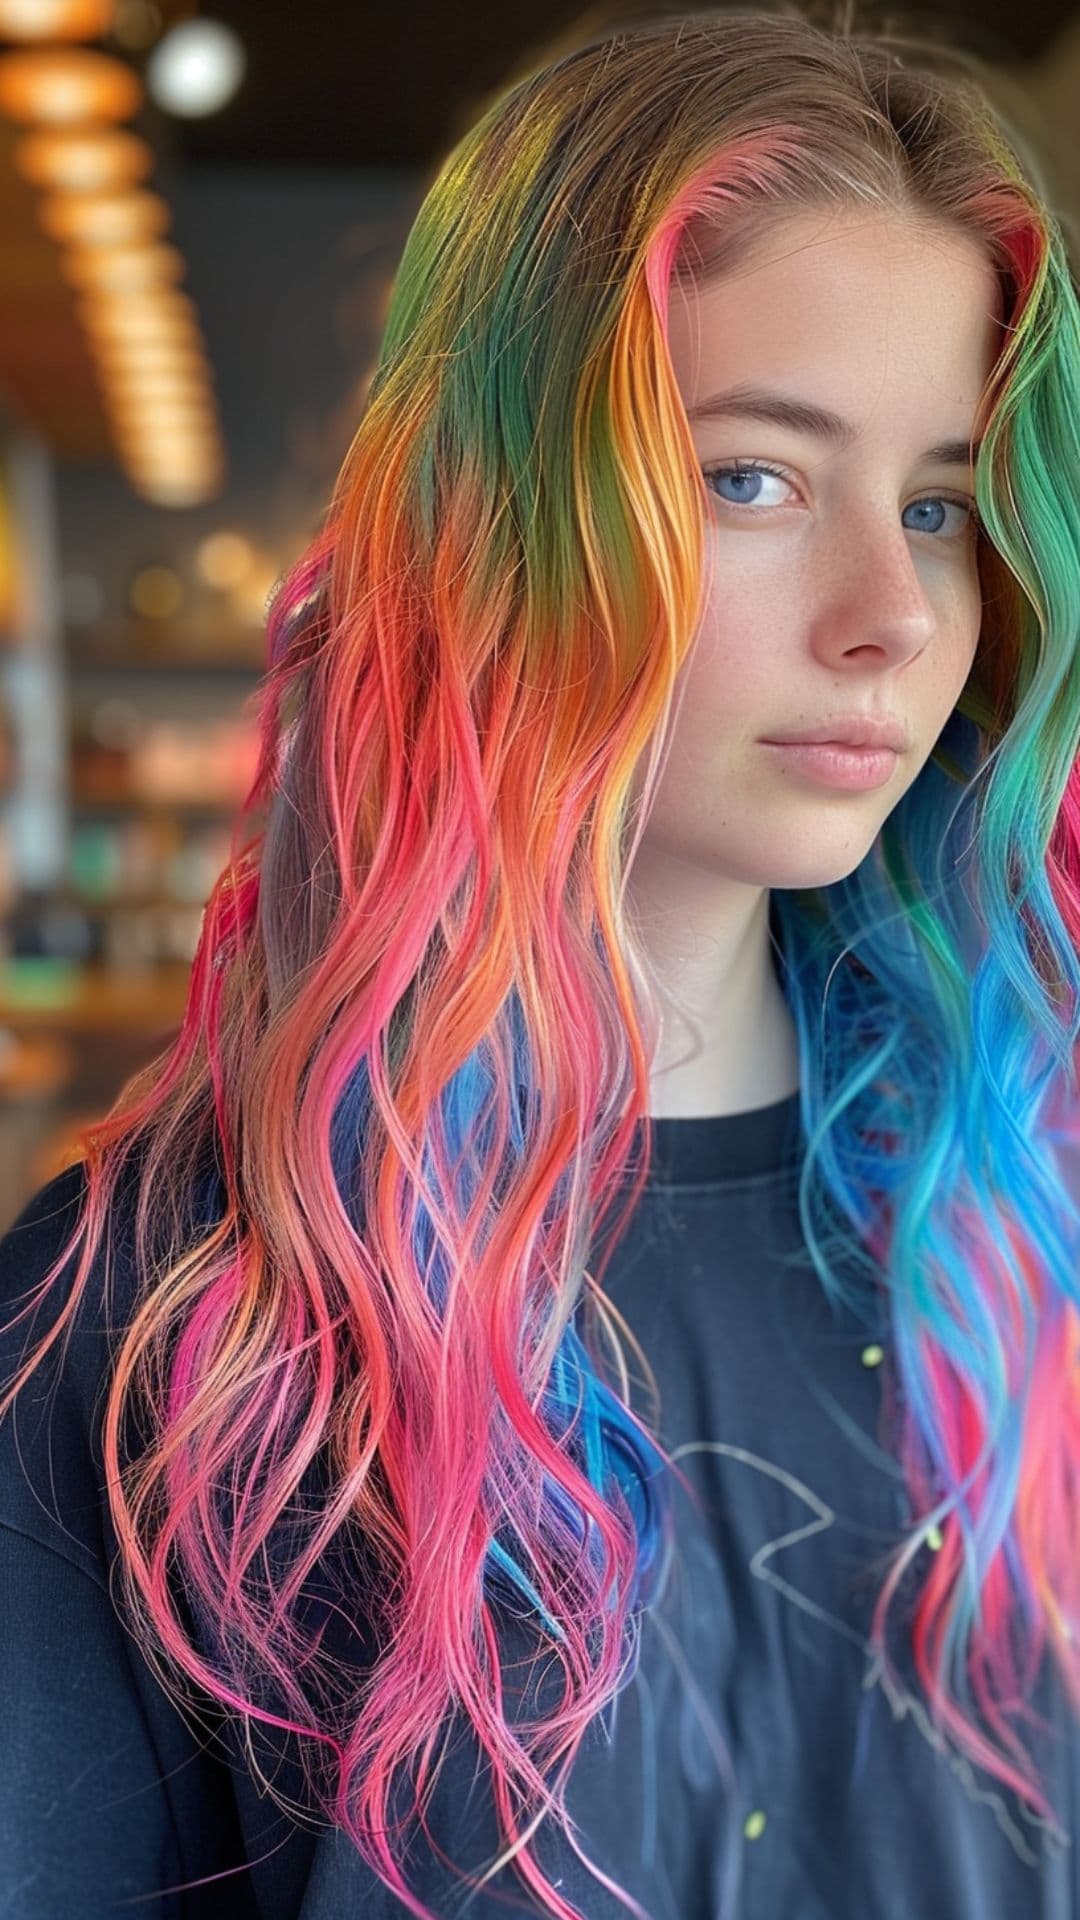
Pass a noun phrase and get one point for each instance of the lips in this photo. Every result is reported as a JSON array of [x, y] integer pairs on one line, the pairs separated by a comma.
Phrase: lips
[[867, 732]]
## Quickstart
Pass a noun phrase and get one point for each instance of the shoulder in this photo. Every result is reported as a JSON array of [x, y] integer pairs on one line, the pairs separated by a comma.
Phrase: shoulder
[[51, 1474], [29, 1248], [47, 1217], [44, 1231], [52, 1471]]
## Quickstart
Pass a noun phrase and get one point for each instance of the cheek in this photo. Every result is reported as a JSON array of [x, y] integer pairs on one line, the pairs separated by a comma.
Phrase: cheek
[[958, 593], [731, 666], [965, 617]]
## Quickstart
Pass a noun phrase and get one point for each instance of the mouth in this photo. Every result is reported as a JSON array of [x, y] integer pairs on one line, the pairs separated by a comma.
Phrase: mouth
[[848, 730], [836, 763]]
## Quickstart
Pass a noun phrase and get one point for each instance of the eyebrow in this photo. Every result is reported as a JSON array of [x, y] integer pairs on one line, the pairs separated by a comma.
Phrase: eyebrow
[[802, 416]]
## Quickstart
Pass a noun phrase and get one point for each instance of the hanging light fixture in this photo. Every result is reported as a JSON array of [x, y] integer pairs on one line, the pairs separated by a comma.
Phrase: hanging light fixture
[[56, 19], [196, 68], [119, 268], [151, 313], [60, 86], [82, 159], [142, 328], [104, 220]]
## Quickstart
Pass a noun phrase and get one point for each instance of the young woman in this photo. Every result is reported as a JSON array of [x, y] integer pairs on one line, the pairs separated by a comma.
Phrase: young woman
[[559, 1392]]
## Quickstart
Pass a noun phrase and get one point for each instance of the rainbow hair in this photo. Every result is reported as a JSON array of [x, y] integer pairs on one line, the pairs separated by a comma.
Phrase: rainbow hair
[[416, 1049]]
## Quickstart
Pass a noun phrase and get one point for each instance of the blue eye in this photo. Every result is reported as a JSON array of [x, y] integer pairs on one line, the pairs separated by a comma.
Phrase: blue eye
[[741, 472]]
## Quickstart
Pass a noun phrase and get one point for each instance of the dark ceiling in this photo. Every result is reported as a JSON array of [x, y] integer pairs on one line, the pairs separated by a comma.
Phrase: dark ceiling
[[379, 84]]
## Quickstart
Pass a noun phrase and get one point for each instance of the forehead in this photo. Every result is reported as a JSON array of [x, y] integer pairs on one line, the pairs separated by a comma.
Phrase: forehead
[[864, 303]]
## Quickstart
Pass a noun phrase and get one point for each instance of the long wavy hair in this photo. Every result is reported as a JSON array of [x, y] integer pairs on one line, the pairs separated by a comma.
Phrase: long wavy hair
[[415, 1055]]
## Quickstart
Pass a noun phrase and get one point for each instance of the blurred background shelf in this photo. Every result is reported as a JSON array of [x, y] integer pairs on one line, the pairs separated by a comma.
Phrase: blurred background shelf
[[127, 802], [90, 999], [124, 662]]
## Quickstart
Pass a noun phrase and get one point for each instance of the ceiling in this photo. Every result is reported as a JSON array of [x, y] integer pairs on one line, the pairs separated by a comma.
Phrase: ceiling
[[381, 87], [386, 84]]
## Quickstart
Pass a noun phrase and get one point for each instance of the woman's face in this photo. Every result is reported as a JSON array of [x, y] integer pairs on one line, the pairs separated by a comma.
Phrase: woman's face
[[849, 583]]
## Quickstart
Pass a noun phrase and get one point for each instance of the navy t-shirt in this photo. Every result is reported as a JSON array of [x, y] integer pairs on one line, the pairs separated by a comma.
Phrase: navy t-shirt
[[755, 1768]]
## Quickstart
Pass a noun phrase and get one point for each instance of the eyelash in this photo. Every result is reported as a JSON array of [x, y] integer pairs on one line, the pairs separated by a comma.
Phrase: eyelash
[[974, 518]]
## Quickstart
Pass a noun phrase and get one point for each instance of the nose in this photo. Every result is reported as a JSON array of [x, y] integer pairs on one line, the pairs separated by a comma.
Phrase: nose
[[882, 600]]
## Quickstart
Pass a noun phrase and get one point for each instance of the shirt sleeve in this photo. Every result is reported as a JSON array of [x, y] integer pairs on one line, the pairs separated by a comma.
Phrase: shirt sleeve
[[109, 1793], [84, 1815]]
